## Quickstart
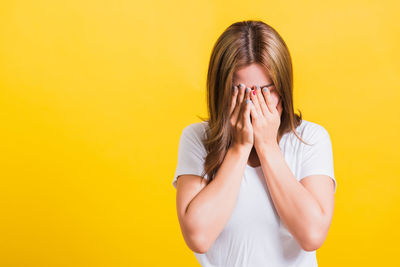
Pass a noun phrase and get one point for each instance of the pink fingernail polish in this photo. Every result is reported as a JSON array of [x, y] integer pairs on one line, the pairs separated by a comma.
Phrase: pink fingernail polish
[[254, 92]]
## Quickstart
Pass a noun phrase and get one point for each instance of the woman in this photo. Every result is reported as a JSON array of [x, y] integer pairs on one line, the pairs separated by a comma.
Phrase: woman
[[255, 182]]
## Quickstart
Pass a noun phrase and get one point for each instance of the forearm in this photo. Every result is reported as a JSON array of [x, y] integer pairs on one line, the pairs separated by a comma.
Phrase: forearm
[[211, 208], [297, 208]]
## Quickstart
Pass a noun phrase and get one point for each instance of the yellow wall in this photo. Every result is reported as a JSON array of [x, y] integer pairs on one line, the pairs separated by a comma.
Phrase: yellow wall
[[94, 95]]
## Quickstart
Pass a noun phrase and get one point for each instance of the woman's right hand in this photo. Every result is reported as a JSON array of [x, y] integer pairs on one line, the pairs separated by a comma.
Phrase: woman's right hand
[[241, 127]]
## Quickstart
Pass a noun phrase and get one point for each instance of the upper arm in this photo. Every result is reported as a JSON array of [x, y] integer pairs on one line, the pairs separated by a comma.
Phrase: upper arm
[[188, 179], [317, 157], [188, 186], [191, 153], [321, 187], [317, 176]]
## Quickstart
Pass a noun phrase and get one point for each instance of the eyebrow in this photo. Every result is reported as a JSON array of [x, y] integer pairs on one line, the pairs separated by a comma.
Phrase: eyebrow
[[267, 85]]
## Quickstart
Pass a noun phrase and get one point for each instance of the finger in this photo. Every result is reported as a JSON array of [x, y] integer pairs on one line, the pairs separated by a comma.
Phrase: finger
[[242, 105], [273, 98], [242, 92], [261, 100], [268, 99], [240, 96], [255, 101], [253, 113], [234, 97], [246, 113]]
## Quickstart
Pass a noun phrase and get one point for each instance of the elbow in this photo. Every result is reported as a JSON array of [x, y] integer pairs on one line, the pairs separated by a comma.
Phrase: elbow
[[198, 243], [195, 237], [314, 241]]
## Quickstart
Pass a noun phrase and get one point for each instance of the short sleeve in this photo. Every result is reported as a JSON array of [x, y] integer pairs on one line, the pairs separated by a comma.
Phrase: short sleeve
[[191, 152], [317, 157]]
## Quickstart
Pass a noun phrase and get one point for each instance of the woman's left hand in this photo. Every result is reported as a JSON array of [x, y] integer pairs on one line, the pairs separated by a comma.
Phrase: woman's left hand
[[265, 116]]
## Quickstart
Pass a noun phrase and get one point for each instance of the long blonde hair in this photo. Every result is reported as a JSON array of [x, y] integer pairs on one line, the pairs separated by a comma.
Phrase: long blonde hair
[[241, 44]]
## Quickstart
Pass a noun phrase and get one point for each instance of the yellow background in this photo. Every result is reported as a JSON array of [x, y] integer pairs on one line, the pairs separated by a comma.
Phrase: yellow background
[[94, 96]]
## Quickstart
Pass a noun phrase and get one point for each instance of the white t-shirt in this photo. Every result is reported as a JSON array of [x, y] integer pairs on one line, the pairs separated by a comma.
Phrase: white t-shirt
[[254, 235]]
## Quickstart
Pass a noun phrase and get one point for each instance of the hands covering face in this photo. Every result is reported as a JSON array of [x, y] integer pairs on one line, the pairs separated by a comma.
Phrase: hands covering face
[[265, 110], [266, 116]]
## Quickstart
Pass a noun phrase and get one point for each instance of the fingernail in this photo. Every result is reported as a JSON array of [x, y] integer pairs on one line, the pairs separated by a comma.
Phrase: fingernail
[[234, 88], [265, 89], [249, 101], [241, 85], [258, 87], [248, 89], [254, 92]]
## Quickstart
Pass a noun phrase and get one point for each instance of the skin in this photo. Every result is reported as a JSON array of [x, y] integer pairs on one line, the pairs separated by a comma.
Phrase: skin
[[203, 211], [305, 207], [253, 75]]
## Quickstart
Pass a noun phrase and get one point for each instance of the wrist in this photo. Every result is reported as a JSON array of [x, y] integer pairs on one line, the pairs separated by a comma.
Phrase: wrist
[[241, 149], [267, 148]]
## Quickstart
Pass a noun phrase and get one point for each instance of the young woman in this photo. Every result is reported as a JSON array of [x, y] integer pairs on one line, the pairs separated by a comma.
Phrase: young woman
[[255, 182]]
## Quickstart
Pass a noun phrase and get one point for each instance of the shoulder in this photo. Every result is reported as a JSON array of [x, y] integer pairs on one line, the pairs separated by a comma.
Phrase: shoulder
[[195, 130], [194, 135], [311, 131]]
